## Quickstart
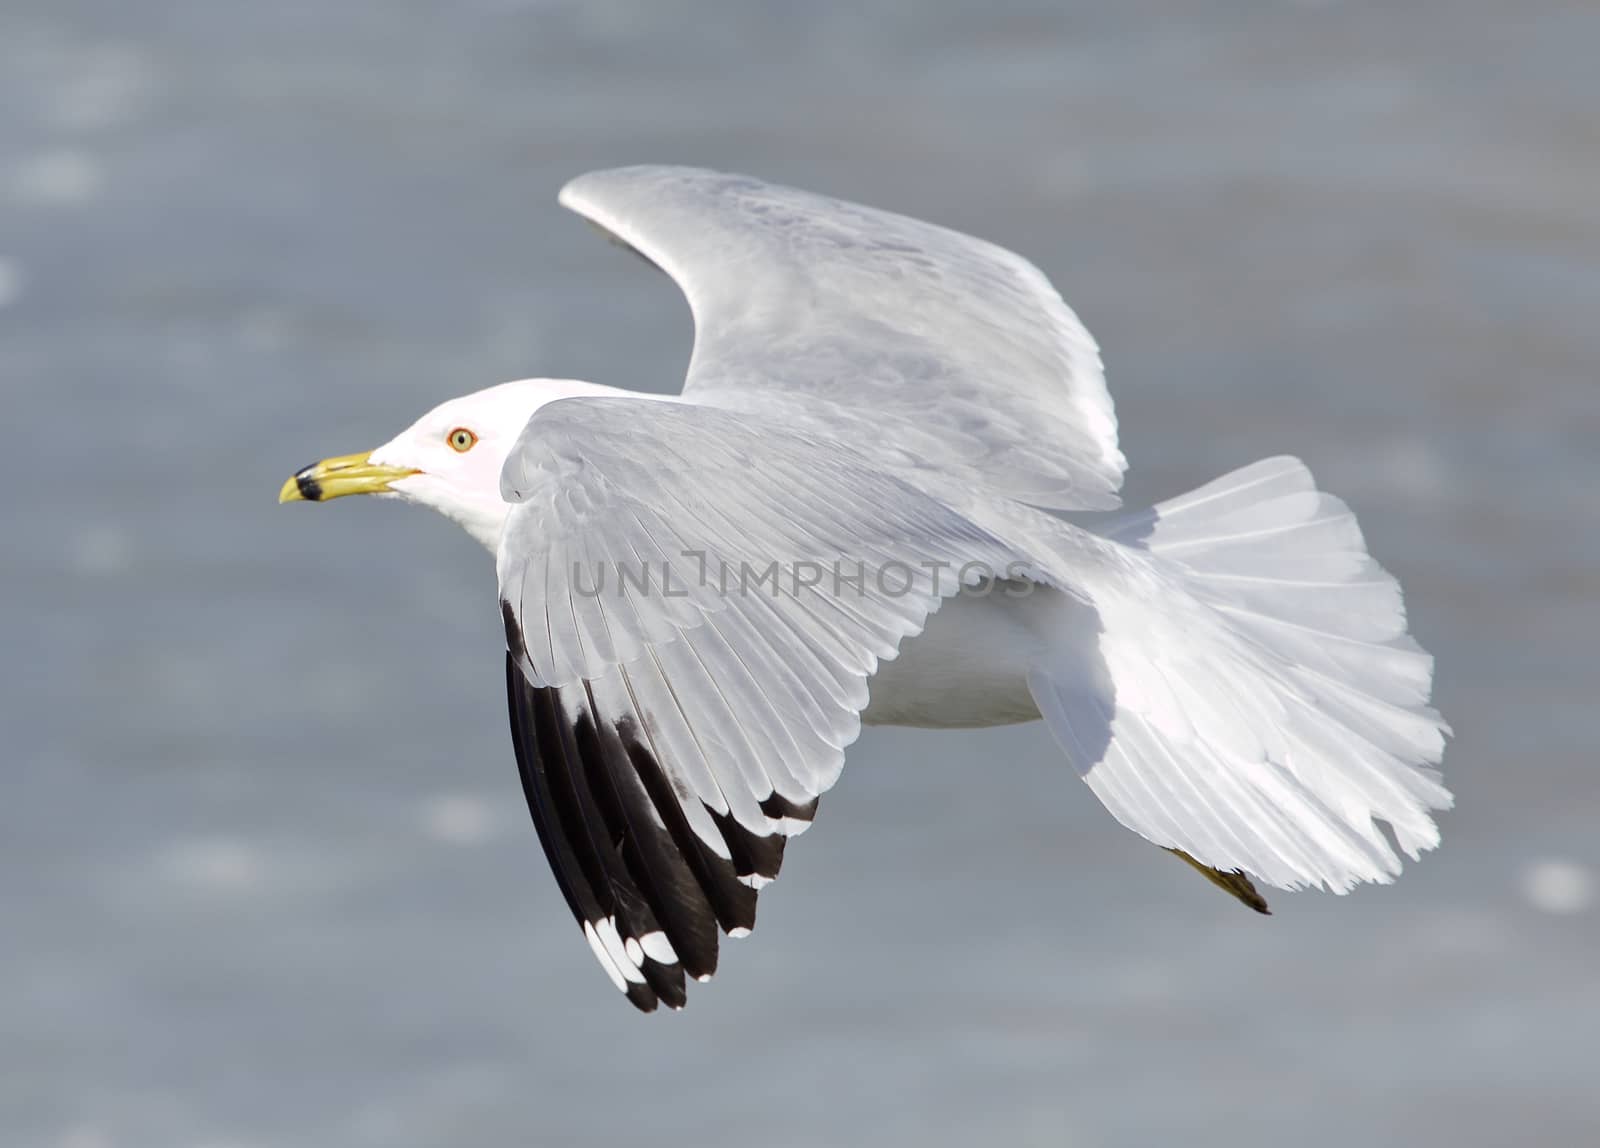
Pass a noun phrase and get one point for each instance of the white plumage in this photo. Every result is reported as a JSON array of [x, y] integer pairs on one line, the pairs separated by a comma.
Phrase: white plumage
[[846, 517]]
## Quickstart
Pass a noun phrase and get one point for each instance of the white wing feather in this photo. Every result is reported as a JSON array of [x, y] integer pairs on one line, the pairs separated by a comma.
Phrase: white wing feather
[[922, 345], [768, 673]]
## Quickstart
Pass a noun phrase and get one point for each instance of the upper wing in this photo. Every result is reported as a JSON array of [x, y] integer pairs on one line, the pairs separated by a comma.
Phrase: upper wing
[[927, 343], [694, 601]]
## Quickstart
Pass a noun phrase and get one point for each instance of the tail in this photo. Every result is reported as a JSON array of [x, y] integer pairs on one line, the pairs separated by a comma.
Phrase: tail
[[1253, 699]]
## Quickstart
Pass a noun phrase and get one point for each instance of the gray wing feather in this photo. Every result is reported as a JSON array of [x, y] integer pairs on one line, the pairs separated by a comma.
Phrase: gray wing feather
[[674, 719], [924, 345]]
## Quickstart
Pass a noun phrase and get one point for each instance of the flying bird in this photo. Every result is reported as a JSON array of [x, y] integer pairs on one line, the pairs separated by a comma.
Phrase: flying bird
[[853, 513]]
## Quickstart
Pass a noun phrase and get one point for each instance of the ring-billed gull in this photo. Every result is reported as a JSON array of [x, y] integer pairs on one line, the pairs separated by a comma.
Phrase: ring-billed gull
[[848, 516]]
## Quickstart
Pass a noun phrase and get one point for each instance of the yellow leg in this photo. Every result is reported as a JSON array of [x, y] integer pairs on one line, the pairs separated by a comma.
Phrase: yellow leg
[[1232, 882]]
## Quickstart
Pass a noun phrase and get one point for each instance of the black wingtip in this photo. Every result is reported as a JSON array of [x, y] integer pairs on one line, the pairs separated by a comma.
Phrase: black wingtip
[[649, 892], [775, 807], [515, 646], [642, 997]]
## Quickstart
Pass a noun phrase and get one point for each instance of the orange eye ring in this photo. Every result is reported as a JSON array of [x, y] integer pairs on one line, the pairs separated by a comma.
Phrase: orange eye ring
[[461, 440]]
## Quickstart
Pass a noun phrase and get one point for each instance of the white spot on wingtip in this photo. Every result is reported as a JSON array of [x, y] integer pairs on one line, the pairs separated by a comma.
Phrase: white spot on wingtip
[[738, 932], [658, 948], [612, 940], [635, 953], [703, 977], [755, 880], [1561, 888], [603, 957]]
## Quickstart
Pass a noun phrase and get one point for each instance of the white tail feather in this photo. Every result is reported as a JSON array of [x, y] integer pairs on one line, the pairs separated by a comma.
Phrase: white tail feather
[[1254, 699]]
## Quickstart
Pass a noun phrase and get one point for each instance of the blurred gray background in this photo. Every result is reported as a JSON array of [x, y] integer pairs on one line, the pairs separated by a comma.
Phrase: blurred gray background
[[266, 874]]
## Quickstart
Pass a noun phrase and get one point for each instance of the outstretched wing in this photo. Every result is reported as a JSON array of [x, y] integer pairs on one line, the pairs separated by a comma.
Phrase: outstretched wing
[[694, 600], [923, 342]]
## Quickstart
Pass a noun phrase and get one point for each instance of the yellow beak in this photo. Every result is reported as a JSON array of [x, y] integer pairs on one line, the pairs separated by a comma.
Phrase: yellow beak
[[337, 477]]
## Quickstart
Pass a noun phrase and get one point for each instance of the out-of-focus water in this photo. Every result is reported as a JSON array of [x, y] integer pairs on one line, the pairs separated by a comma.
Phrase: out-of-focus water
[[266, 874]]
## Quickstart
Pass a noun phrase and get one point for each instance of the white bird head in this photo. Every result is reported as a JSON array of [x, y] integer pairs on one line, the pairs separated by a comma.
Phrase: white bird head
[[448, 460]]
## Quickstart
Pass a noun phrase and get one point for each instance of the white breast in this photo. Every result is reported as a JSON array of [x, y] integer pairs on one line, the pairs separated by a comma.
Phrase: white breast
[[969, 666]]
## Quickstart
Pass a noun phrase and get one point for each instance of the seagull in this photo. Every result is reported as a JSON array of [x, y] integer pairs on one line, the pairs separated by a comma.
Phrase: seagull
[[859, 510]]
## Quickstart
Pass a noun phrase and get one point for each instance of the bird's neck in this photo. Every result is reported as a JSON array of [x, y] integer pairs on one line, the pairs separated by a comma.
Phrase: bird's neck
[[486, 524], [482, 515]]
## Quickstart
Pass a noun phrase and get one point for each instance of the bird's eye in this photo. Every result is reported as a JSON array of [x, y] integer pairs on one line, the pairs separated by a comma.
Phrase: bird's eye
[[462, 439]]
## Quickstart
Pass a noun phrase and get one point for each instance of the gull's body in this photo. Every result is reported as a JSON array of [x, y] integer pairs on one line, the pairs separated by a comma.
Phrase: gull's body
[[882, 416], [968, 668]]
